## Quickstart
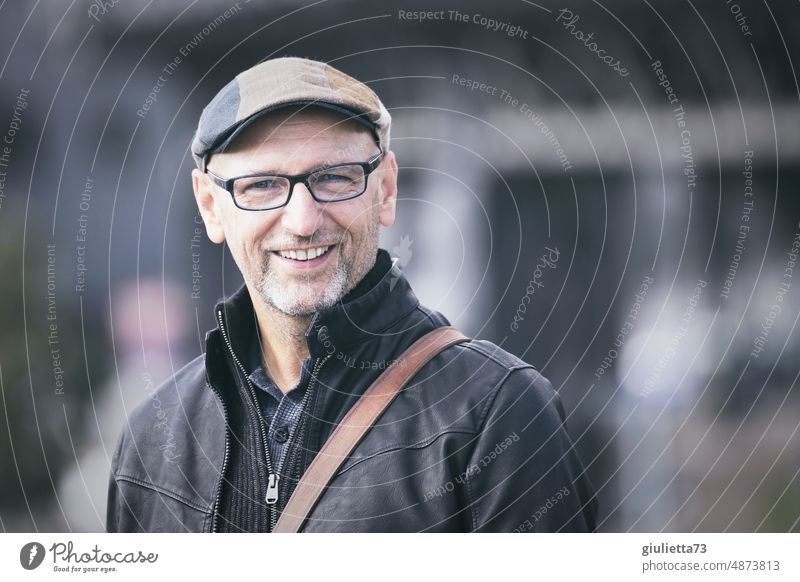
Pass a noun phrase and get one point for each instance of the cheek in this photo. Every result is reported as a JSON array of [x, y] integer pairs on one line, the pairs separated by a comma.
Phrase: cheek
[[245, 236], [357, 218]]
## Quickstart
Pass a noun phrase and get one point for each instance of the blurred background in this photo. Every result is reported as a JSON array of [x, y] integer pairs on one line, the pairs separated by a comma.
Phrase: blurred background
[[607, 189]]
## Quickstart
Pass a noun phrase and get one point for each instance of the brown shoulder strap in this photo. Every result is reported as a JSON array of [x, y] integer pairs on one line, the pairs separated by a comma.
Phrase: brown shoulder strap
[[357, 422]]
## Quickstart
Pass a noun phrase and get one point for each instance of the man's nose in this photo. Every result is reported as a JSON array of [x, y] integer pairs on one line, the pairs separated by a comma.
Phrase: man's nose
[[303, 215]]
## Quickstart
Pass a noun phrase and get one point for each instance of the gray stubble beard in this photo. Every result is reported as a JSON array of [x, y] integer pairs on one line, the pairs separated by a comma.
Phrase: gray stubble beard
[[302, 301]]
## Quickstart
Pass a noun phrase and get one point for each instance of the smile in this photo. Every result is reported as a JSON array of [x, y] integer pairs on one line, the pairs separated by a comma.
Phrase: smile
[[306, 257]]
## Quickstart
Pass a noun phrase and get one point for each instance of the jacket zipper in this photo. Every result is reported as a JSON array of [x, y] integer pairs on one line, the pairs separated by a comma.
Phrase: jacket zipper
[[273, 478], [214, 515], [288, 463]]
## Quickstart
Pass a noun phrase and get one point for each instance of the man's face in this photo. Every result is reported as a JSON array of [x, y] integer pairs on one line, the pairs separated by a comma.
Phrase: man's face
[[288, 142]]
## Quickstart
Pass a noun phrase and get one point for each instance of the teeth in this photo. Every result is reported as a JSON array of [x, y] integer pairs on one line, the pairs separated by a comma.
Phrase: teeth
[[304, 254]]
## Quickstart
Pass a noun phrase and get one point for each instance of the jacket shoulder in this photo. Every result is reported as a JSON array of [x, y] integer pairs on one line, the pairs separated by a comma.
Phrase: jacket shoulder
[[517, 378], [457, 387], [487, 361], [496, 354]]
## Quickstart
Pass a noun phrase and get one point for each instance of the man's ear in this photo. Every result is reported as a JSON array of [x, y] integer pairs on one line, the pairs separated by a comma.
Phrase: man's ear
[[387, 189], [206, 204]]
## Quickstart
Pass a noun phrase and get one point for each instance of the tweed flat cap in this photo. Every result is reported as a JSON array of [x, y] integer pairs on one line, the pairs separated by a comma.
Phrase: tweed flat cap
[[283, 82]]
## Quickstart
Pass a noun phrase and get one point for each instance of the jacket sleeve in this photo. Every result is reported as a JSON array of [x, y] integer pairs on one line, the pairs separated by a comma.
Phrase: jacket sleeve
[[524, 474], [118, 516]]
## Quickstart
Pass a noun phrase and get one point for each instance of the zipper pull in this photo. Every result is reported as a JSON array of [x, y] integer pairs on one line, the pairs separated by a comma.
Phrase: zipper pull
[[272, 488]]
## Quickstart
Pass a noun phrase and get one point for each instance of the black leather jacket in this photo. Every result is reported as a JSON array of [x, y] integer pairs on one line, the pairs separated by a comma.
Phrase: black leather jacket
[[475, 442]]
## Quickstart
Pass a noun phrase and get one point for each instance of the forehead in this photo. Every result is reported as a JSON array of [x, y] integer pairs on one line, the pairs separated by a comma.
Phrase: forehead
[[292, 138]]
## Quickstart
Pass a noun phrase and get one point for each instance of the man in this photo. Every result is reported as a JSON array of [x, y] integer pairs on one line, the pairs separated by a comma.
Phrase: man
[[295, 175]]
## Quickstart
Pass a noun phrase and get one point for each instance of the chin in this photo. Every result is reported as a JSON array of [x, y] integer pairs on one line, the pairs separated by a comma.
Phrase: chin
[[299, 300], [298, 296]]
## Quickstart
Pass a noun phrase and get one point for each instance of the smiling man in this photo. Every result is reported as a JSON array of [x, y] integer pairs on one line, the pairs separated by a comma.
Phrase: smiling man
[[296, 176]]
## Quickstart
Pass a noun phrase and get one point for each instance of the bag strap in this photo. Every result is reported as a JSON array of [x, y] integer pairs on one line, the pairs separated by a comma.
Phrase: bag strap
[[357, 422]]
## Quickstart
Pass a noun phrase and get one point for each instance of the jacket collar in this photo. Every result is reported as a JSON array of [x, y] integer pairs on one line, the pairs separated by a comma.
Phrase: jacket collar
[[380, 299]]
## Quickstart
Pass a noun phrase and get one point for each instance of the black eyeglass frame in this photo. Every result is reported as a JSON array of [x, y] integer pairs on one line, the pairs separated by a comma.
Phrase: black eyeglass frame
[[369, 166]]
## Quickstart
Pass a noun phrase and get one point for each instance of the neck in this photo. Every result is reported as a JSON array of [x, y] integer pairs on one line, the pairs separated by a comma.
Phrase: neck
[[283, 344]]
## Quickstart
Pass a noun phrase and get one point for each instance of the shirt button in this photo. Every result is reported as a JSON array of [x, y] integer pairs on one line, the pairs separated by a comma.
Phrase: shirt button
[[281, 434]]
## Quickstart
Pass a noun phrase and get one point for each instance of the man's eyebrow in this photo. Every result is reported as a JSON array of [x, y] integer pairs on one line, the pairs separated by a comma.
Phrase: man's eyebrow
[[268, 169]]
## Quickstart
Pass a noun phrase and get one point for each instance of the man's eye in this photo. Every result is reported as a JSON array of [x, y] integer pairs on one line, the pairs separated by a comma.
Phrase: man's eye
[[265, 184], [331, 177]]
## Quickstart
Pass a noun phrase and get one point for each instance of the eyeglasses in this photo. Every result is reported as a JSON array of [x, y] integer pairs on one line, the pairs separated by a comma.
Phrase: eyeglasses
[[327, 184]]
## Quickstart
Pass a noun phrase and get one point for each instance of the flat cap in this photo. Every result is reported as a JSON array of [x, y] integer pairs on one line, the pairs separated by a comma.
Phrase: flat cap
[[283, 82]]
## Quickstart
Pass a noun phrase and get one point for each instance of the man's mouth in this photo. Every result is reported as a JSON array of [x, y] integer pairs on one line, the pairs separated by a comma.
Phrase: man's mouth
[[306, 255]]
